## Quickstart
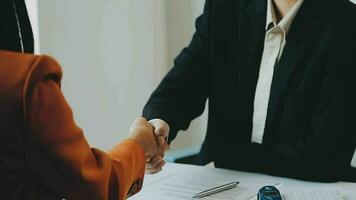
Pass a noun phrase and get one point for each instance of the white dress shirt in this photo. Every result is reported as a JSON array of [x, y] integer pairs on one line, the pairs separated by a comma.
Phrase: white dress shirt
[[275, 40]]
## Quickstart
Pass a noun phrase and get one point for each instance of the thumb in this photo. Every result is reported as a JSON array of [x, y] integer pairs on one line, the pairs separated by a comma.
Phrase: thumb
[[161, 128], [161, 140], [159, 131]]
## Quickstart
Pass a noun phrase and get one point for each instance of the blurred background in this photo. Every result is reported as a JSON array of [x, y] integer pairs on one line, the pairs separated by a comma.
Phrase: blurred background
[[114, 53]]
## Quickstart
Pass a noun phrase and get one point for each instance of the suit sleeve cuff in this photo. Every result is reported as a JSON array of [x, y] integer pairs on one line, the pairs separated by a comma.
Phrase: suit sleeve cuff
[[132, 159]]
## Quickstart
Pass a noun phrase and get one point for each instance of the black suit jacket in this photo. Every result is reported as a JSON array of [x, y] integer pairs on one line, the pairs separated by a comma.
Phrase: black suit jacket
[[310, 128], [15, 28]]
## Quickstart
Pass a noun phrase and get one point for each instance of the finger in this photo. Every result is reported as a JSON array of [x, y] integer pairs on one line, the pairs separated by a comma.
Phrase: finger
[[161, 128], [152, 172], [161, 164], [162, 149], [159, 131], [161, 140], [161, 146], [153, 162], [158, 167]]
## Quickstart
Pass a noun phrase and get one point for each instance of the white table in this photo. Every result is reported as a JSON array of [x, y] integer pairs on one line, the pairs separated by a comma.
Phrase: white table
[[174, 176]]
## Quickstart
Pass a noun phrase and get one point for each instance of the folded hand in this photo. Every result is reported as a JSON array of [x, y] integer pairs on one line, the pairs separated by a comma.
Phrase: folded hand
[[154, 146], [161, 130]]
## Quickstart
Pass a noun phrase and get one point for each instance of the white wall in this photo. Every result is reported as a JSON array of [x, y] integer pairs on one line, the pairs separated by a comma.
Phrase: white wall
[[181, 17], [114, 53], [32, 8]]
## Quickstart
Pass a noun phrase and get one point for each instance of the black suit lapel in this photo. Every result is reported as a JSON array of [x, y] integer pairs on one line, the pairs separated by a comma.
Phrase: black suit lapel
[[248, 26], [283, 72], [254, 34], [300, 34]]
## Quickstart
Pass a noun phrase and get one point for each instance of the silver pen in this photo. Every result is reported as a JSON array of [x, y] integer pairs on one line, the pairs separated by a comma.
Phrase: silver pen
[[216, 190]]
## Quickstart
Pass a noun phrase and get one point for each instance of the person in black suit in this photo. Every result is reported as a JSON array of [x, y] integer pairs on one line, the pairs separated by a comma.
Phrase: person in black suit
[[279, 77]]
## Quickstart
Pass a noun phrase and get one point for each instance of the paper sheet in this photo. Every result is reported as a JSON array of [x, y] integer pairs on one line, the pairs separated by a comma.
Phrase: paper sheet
[[182, 186], [304, 193]]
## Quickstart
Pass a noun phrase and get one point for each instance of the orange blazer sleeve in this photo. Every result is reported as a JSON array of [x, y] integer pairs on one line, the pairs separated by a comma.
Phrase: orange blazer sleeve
[[91, 173]]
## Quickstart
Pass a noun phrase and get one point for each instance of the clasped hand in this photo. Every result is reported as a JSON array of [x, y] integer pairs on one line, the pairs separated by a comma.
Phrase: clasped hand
[[152, 137]]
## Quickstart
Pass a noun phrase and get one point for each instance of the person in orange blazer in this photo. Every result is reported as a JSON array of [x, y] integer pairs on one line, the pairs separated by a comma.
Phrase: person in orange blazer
[[44, 154]]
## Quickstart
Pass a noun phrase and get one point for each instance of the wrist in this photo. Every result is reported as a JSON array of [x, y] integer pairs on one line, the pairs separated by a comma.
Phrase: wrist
[[140, 140]]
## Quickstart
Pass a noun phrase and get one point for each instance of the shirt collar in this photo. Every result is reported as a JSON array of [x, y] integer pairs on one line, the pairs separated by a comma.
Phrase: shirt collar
[[287, 20]]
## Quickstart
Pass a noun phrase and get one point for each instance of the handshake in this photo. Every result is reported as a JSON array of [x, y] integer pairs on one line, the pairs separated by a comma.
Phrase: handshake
[[152, 136]]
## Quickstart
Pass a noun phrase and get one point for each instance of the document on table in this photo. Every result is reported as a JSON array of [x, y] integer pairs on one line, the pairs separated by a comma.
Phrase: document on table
[[305, 193], [186, 184]]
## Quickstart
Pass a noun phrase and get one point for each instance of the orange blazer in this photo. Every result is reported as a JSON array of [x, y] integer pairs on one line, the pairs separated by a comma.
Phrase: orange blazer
[[43, 153]]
